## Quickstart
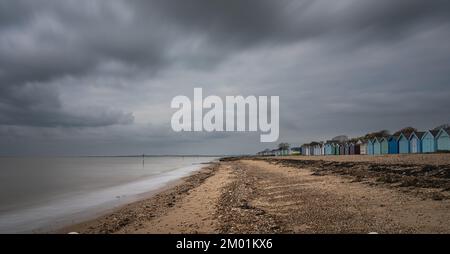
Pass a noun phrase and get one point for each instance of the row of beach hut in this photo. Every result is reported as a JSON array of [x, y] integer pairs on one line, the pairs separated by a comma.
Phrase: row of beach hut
[[417, 142]]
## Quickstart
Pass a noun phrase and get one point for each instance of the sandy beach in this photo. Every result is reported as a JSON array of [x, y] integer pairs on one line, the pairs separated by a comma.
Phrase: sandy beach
[[345, 194]]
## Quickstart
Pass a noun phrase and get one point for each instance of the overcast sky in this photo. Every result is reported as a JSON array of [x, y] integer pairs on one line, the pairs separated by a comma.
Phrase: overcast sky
[[88, 77]]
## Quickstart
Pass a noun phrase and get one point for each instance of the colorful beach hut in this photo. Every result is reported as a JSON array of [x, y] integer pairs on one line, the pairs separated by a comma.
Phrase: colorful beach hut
[[443, 140], [328, 148], [393, 145], [362, 147], [384, 145], [355, 148], [429, 141], [415, 142], [370, 147], [341, 149], [376, 146], [347, 149], [403, 144], [335, 148], [305, 149]]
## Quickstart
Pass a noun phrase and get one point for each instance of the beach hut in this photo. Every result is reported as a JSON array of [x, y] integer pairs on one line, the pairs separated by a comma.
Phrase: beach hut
[[305, 149], [370, 147], [376, 146], [362, 147], [316, 148], [352, 148], [403, 144], [384, 145], [443, 140], [393, 145], [328, 148], [415, 142], [335, 147], [429, 141], [346, 148], [341, 149]]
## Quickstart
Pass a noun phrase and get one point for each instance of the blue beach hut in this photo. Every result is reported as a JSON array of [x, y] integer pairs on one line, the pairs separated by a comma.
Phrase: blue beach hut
[[376, 146], [335, 148], [429, 141], [393, 145], [328, 148], [347, 149], [370, 147], [341, 149], [403, 144], [384, 145], [415, 142], [443, 140]]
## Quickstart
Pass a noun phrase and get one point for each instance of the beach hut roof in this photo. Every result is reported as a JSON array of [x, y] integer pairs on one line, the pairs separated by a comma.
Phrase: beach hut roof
[[418, 134], [376, 139], [393, 137], [432, 132], [363, 140], [447, 130], [401, 135]]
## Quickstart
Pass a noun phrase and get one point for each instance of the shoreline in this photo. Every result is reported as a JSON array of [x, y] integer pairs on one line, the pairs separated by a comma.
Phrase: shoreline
[[292, 195], [119, 214]]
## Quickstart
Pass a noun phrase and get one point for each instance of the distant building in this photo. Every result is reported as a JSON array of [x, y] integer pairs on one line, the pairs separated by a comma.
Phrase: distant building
[[296, 150]]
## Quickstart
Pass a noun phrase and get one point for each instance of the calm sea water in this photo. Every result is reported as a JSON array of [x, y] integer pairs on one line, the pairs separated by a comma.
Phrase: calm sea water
[[41, 194]]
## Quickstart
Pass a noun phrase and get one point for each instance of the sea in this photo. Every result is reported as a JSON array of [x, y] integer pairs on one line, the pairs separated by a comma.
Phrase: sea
[[43, 194]]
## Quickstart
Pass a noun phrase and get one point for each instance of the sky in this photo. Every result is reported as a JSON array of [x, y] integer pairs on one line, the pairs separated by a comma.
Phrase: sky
[[92, 77]]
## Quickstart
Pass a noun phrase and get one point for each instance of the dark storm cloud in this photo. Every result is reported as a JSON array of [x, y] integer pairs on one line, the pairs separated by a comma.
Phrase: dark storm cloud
[[256, 21], [105, 63]]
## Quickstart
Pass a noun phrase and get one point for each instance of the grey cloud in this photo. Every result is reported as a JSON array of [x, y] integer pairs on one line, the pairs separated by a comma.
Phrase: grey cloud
[[353, 63]]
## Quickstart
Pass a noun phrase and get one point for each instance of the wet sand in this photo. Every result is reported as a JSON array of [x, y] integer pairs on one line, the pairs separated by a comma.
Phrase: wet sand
[[295, 195]]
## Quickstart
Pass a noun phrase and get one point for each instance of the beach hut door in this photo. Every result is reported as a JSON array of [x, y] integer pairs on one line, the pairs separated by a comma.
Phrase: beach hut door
[[414, 146]]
